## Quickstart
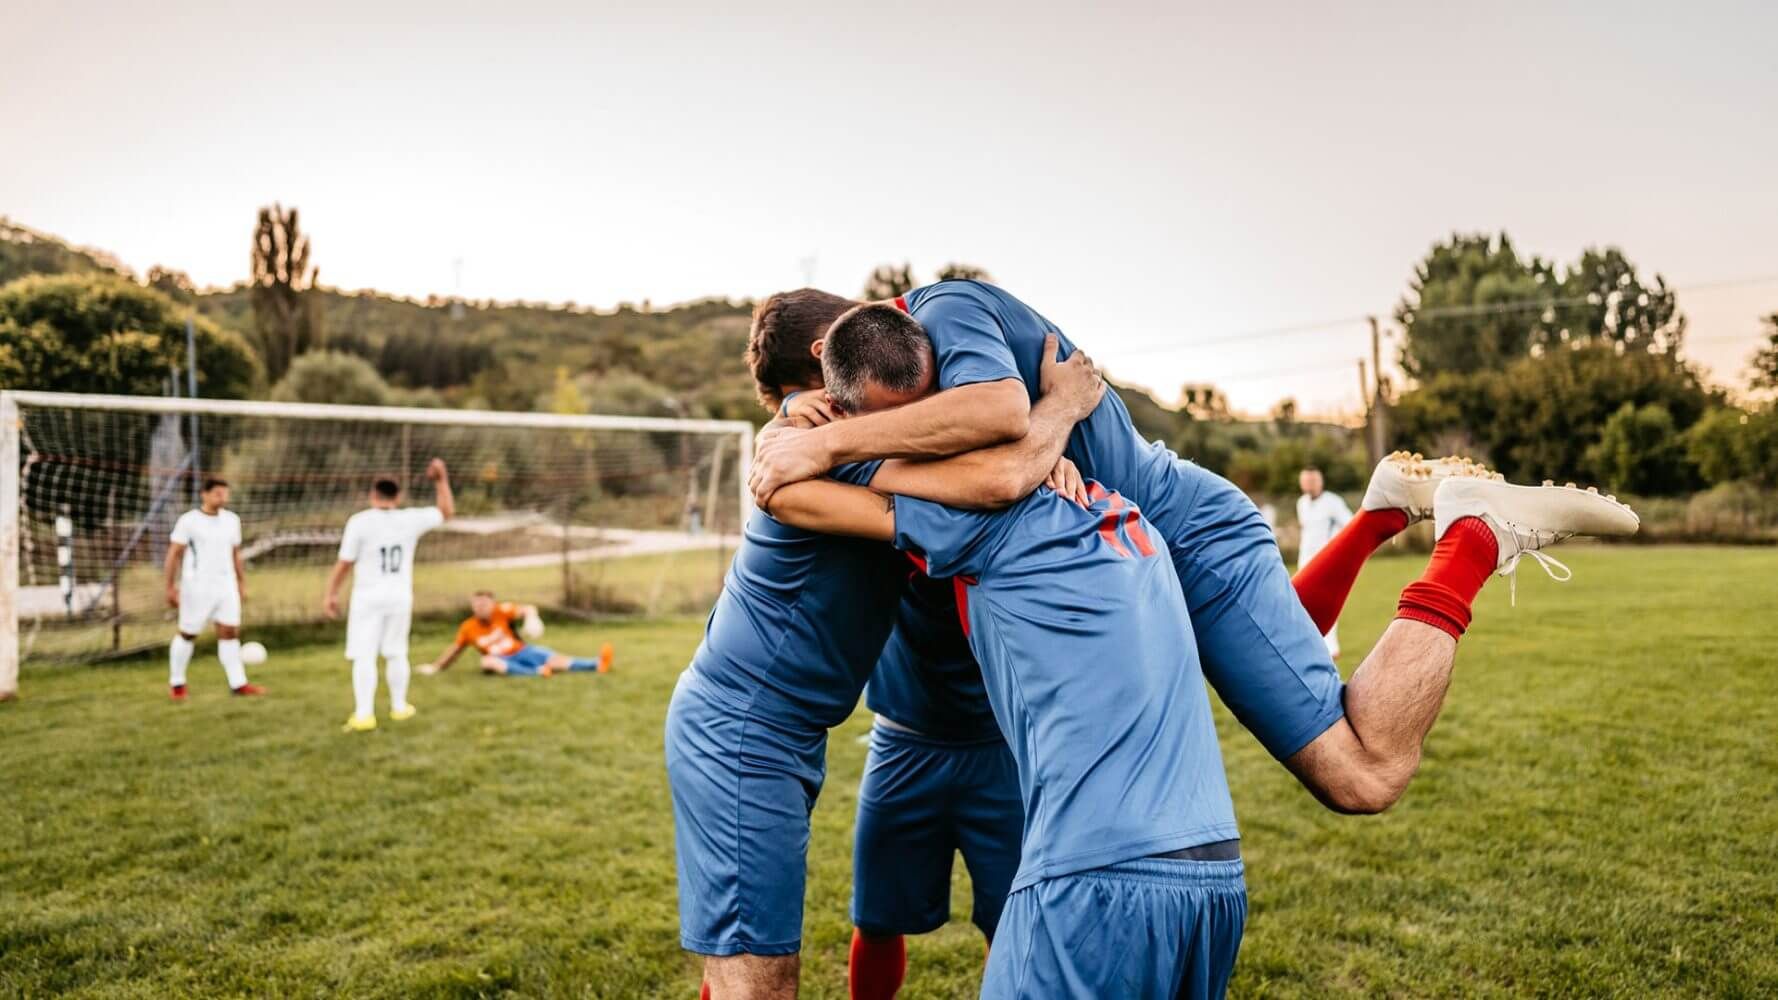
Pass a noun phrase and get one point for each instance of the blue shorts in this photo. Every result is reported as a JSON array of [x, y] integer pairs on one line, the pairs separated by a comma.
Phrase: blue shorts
[[921, 802], [1258, 647], [743, 788], [1152, 929], [528, 659]]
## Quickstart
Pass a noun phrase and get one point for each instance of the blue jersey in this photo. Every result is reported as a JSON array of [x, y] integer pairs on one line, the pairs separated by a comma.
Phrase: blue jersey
[[801, 619], [1087, 650], [927, 678], [980, 333]]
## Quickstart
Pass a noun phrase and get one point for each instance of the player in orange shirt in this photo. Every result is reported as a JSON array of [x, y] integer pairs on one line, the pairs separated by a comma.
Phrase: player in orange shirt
[[490, 631]]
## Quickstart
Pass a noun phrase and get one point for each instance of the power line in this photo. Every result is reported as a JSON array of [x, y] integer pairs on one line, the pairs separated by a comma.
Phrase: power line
[[1435, 312]]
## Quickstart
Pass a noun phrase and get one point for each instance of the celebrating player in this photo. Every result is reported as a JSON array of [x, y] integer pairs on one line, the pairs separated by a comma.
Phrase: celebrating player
[[938, 781], [801, 620], [380, 543], [207, 581], [489, 630]]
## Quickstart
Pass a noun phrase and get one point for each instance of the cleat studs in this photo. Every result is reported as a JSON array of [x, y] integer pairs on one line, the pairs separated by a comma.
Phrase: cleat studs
[[1593, 490], [1549, 482]]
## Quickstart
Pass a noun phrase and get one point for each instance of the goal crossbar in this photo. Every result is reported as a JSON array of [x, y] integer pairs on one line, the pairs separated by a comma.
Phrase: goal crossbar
[[14, 403]]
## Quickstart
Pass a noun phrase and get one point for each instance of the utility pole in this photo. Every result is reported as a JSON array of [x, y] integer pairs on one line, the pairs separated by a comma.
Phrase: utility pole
[[1378, 427], [191, 383], [1364, 397]]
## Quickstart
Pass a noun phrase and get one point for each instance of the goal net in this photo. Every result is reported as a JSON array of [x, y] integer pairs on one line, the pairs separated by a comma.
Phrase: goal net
[[591, 515]]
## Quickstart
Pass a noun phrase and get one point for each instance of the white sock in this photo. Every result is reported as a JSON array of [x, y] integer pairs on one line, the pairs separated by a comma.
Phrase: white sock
[[229, 652], [395, 668], [364, 686], [178, 658]]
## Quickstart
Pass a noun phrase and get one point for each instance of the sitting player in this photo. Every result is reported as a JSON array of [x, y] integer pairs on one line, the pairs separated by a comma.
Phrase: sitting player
[[489, 630]]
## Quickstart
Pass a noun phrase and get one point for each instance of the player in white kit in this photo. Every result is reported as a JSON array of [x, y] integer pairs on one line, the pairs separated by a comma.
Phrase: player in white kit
[[206, 582], [380, 543], [1321, 515]]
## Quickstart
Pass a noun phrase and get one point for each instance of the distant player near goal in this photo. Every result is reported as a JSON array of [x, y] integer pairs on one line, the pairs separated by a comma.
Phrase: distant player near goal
[[489, 630], [381, 542], [206, 582]]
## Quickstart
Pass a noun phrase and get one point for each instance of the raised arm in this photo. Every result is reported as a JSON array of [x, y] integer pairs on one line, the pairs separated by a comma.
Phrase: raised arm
[[832, 508], [1004, 474], [441, 482]]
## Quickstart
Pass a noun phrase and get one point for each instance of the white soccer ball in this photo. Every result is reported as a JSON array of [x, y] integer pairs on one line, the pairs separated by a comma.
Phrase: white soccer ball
[[533, 627], [252, 653]]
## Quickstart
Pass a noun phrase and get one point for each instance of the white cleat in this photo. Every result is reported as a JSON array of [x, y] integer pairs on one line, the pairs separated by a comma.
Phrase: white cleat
[[1406, 481], [1528, 519]]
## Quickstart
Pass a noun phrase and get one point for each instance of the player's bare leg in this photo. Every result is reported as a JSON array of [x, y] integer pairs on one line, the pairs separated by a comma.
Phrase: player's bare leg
[[1485, 527], [752, 977]]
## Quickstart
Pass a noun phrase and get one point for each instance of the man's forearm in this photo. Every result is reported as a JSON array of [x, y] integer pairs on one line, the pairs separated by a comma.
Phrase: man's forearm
[[830, 508], [340, 569], [957, 420], [990, 477], [447, 501]]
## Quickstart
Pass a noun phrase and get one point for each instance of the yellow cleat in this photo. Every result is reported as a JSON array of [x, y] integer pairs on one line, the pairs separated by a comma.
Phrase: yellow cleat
[[360, 724], [401, 714]]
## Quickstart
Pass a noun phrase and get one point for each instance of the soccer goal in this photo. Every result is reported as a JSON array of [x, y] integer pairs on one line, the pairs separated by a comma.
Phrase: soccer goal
[[596, 515]]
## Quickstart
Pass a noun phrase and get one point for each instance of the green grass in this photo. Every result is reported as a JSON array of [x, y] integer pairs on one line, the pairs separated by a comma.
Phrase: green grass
[[1595, 818]]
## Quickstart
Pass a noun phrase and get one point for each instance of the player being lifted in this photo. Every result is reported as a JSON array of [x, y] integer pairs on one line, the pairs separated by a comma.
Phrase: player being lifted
[[381, 541], [502, 652], [207, 582]]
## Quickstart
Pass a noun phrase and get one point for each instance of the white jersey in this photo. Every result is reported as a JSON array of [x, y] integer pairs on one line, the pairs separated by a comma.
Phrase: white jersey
[[1321, 518], [380, 544], [210, 541]]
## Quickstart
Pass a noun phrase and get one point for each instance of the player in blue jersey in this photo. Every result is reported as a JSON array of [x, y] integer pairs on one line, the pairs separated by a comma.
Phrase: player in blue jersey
[[948, 367], [1130, 879], [790, 643]]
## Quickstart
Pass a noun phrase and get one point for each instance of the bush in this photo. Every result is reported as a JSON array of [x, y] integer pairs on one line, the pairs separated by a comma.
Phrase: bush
[[332, 377], [1639, 451]]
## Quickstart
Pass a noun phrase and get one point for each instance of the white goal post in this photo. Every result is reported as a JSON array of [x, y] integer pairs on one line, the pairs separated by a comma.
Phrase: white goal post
[[593, 514]]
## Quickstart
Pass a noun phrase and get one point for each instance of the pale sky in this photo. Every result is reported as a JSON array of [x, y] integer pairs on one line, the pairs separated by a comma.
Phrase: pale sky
[[1145, 174]]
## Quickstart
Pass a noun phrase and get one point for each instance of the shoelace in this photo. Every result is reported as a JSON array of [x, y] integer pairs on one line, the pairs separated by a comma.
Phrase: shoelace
[[1549, 563]]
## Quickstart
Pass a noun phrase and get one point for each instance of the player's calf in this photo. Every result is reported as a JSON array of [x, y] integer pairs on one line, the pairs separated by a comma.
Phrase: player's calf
[[752, 977]]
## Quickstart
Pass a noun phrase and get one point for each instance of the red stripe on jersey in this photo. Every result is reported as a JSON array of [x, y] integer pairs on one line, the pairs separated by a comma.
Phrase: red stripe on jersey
[[1108, 531], [901, 303], [919, 561], [1094, 490], [1133, 524], [960, 587]]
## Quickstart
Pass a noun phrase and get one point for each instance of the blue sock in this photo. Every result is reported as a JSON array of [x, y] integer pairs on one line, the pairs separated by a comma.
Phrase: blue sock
[[582, 663]]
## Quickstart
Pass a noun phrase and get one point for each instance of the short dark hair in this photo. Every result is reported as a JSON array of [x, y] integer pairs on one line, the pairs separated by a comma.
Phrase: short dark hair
[[211, 483], [482, 593], [873, 343], [784, 325], [1312, 468], [386, 488]]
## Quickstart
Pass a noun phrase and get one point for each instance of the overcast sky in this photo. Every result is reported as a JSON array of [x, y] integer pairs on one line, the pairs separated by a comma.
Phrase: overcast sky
[[1158, 174]]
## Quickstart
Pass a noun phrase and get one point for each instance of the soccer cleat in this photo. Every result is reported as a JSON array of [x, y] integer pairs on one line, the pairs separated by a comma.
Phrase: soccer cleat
[[1407, 482], [176, 692], [402, 714], [360, 724], [1528, 519], [247, 691], [607, 658]]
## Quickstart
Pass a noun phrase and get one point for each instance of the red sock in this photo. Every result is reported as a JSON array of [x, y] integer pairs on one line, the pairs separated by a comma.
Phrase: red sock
[[877, 967], [1461, 562], [1324, 584]]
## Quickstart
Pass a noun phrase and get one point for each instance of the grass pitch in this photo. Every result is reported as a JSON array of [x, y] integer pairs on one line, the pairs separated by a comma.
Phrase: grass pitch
[[1596, 817]]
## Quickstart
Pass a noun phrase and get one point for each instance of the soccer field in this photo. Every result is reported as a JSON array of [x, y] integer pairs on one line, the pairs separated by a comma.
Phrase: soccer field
[[1596, 817]]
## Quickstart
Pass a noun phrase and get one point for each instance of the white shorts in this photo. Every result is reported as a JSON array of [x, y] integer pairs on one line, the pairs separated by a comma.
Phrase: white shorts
[[378, 628], [199, 606]]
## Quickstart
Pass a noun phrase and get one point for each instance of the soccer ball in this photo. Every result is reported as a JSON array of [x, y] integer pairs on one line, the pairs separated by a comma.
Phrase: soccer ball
[[252, 653], [532, 628]]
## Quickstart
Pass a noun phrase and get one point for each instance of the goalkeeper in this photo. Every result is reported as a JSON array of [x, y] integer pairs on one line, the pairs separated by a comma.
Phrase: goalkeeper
[[490, 631]]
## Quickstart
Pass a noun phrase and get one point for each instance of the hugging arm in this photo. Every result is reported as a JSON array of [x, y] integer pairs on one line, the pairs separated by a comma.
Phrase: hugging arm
[[831, 508]]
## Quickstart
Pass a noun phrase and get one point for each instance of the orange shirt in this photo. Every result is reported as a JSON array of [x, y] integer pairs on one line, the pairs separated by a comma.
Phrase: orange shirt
[[495, 636]]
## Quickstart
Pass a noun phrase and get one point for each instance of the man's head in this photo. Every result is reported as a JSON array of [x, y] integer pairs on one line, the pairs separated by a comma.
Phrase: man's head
[[482, 603], [213, 494], [876, 357], [782, 347], [1309, 480], [385, 493]]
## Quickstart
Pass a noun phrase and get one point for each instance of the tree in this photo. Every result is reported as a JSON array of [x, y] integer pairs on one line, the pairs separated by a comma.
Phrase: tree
[[1203, 402], [105, 333], [1284, 418], [332, 377], [175, 285], [1764, 373], [1640, 451], [1732, 444], [963, 272], [888, 281], [1460, 314], [1603, 299], [286, 312]]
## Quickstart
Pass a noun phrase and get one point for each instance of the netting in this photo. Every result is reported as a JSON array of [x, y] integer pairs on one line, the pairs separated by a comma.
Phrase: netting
[[596, 516]]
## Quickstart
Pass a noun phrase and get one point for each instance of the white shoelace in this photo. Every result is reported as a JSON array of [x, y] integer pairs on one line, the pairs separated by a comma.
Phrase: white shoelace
[[1549, 563]]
